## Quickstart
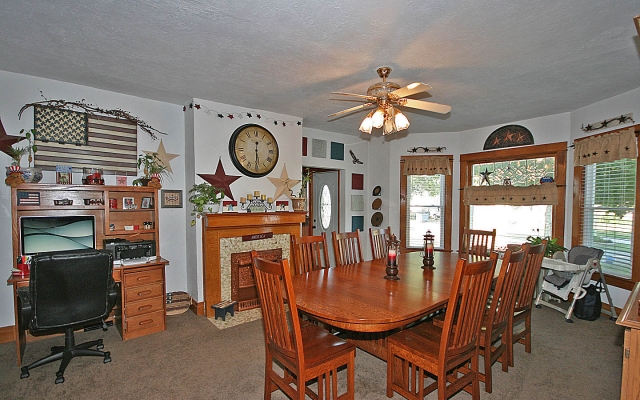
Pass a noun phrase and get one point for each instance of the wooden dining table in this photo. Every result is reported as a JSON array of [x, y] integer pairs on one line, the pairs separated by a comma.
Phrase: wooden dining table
[[357, 299]]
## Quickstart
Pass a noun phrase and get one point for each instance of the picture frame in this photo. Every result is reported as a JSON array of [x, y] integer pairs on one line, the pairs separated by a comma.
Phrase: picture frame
[[146, 202], [63, 174], [128, 203], [229, 206], [121, 181], [170, 198]]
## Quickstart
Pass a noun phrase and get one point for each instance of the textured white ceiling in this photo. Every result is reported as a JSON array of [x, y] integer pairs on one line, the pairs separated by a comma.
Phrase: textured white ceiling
[[493, 61]]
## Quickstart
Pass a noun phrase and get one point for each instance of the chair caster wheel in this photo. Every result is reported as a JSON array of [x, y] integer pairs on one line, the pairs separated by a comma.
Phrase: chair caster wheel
[[538, 306], [59, 380], [107, 357], [24, 374], [100, 346]]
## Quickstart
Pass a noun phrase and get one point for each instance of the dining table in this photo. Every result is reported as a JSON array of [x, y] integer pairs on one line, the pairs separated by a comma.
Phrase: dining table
[[357, 300]]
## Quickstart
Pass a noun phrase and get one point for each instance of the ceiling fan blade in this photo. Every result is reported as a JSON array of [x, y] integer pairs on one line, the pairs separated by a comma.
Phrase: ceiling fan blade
[[425, 105], [362, 96], [413, 88], [352, 109]]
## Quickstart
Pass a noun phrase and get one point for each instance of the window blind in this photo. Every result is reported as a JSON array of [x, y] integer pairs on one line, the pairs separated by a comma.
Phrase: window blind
[[608, 212]]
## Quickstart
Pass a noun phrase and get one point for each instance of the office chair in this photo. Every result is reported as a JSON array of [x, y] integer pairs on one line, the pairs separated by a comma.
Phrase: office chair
[[67, 291]]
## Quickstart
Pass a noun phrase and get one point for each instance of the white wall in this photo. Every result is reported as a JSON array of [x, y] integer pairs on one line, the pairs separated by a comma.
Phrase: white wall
[[16, 90]]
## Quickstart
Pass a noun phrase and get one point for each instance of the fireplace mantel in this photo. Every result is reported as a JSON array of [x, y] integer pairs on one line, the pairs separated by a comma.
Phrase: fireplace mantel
[[230, 225]]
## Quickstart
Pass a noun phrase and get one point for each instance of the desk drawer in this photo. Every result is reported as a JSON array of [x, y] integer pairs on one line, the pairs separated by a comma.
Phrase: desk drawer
[[144, 306], [146, 321], [146, 276], [143, 292]]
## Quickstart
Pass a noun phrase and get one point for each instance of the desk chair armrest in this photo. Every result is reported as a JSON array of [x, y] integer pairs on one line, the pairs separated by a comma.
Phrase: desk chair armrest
[[24, 307], [113, 295]]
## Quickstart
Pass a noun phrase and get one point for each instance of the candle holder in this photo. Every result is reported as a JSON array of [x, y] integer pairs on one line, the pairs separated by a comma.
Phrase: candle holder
[[392, 259], [427, 260], [256, 203]]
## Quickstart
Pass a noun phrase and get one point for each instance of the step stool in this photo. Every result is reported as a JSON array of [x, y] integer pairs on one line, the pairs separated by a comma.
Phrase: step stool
[[223, 307]]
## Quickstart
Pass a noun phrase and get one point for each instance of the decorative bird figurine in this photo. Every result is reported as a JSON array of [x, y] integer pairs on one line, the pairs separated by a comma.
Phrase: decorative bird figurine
[[355, 159]]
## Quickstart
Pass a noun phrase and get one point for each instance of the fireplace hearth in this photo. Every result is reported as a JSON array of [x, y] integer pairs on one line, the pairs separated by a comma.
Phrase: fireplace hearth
[[243, 284]]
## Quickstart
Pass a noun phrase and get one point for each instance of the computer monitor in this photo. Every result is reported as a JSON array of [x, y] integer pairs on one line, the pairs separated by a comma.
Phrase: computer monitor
[[48, 233]]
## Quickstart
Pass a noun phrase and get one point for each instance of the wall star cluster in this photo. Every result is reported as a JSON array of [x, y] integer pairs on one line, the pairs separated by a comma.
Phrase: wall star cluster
[[240, 115]]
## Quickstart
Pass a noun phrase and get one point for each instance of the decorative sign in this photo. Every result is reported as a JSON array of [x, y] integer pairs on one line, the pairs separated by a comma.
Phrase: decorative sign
[[28, 198], [357, 181], [258, 236], [357, 202], [357, 223], [508, 136]]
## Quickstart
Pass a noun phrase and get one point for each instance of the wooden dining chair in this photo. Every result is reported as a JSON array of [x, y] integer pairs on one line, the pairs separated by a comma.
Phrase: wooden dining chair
[[304, 353], [441, 352], [310, 253], [477, 242], [494, 344], [524, 299], [378, 239], [346, 248]]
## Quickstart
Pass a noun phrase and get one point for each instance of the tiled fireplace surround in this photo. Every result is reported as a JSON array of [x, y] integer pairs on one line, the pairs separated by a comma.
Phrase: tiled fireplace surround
[[223, 235]]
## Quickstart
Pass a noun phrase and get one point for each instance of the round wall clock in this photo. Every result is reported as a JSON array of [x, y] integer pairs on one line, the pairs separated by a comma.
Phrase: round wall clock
[[253, 150]]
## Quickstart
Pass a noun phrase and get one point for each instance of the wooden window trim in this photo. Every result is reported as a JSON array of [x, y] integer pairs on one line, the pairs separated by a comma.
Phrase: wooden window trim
[[557, 150], [448, 213]]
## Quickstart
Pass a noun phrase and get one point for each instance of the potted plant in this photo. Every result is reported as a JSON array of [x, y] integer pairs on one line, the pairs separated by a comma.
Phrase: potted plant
[[205, 198], [552, 244], [153, 170], [29, 174], [299, 202]]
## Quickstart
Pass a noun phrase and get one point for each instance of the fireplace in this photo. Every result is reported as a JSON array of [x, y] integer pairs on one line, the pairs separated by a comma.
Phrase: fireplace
[[243, 284]]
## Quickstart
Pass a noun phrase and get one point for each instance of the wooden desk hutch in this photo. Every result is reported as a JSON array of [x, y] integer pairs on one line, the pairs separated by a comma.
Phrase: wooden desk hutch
[[141, 307]]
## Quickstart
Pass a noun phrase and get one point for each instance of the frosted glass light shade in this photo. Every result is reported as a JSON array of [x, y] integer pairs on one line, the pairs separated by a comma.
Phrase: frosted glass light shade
[[366, 125], [401, 121], [378, 118]]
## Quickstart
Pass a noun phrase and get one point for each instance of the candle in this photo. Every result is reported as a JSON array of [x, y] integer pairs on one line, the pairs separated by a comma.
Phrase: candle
[[270, 200], [256, 193], [243, 200], [430, 249], [263, 197], [249, 197], [392, 257]]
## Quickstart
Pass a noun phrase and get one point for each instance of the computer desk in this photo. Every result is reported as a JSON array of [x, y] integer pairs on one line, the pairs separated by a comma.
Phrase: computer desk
[[140, 309]]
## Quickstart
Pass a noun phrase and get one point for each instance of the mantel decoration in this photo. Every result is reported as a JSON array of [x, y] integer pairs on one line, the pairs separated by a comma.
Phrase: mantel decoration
[[284, 185], [221, 180], [205, 198], [608, 123], [393, 246], [240, 115], [256, 202]]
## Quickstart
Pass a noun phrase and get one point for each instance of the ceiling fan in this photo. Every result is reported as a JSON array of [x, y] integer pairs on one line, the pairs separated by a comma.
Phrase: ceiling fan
[[386, 96]]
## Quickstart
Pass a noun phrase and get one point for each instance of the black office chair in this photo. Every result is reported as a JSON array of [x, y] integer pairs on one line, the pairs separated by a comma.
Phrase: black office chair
[[67, 291]]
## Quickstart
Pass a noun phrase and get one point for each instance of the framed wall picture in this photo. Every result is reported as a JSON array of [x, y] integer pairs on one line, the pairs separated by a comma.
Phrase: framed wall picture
[[63, 174], [171, 198], [128, 203], [146, 202]]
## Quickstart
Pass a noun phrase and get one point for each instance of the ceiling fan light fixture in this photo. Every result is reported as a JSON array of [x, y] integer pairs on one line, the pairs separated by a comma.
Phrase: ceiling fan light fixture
[[401, 121], [367, 124], [378, 118]]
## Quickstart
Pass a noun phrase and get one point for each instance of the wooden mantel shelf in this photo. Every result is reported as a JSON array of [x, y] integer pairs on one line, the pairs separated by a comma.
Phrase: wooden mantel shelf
[[228, 225]]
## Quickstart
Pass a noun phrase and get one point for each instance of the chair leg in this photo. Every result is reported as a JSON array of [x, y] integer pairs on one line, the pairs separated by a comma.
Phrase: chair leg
[[527, 337]]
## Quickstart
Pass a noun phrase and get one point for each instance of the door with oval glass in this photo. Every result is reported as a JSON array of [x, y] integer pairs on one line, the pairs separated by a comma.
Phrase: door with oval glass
[[325, 205]]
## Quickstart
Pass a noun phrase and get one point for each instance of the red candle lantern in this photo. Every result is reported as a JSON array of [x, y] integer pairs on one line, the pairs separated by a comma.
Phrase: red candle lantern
[[393, 246], [429, 246]]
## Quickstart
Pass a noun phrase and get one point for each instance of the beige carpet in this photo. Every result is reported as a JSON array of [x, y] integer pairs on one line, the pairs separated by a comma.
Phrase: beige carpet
[[239, 318]]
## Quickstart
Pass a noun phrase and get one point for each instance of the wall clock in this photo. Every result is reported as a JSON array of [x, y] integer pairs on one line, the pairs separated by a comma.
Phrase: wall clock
[[253, 150]]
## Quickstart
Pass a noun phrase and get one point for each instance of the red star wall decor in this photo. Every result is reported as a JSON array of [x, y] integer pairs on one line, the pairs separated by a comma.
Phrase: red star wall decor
[[7, 141], [221, 180]]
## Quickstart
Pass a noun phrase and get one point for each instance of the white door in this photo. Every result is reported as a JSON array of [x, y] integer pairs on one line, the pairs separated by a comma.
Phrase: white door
[[325, 205]]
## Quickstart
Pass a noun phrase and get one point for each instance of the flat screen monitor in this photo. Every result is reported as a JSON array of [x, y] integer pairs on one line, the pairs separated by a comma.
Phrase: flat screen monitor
[[46, 233]]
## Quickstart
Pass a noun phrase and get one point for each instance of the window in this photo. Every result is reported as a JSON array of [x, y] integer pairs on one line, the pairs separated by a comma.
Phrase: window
[[519, 166], [325, 207], [607, 213], [425, 205]]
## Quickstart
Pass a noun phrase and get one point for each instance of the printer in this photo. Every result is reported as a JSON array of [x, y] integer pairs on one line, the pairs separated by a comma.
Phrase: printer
[[123, 249]]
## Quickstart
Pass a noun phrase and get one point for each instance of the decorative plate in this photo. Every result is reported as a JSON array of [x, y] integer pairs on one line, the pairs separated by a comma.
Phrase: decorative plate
[[376, 219], [377, 190], [377, 203]]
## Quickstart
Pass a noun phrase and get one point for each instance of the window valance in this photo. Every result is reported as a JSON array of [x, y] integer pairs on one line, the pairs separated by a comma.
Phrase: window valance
[[544, 194], [426, 165], [610, 146]]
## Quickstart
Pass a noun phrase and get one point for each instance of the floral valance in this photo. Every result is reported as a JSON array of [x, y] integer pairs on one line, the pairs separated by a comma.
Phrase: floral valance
[[426, 165], [606, 147], [544, 194]]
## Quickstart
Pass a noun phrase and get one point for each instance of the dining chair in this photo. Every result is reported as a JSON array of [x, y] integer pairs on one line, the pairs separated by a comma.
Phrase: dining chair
[[493, 340], [346, 248], [310, 253], [303, 353], [378, 239], [441, 352], [524, 299], [477, 242]]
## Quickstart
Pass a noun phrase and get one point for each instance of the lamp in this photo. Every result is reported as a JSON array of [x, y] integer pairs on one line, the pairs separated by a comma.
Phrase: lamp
[[387, 117], [393, 245], [427, 260]]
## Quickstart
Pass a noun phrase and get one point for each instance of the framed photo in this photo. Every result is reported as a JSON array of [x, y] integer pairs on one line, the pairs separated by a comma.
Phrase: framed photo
[[282, 205], [128, 203], [171, 198], [121, 181], [146, 202], [63, 174], [229, 206]]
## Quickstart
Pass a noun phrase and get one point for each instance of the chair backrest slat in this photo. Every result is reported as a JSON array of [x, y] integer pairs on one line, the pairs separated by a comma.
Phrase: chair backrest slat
[[477, 242], [310, 253], [535, 254], [346, 248], [506, 289], [378, 239]]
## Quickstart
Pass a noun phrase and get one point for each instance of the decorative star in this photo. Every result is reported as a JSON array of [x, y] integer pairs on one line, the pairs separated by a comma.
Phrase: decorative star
[[7, 141], [283, 184], [606, 152], [485, 177], [164, 157], [221, 180]]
